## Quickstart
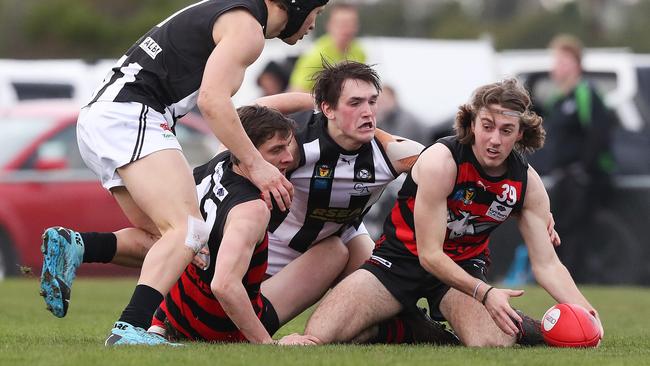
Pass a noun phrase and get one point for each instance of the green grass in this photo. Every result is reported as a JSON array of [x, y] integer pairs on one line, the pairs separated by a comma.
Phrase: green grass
[[30, 335]]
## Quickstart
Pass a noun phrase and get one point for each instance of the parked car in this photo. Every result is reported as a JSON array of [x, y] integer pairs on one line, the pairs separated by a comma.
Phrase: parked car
[[44, 182]]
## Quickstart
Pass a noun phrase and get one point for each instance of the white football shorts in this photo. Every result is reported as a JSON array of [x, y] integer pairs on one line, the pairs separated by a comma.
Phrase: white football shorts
[[280, 254], [111, 135]]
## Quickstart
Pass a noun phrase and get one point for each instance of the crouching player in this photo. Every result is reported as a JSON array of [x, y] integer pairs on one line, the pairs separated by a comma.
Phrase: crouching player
[[223, 302], [435, 240]]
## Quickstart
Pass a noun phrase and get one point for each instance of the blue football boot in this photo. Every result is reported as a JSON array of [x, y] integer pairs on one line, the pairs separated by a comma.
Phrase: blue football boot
[[63, 251], [126, 334]]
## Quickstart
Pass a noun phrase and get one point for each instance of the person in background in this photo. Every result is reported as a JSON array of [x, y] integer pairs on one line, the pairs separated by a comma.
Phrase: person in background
[[337, 45], [578, 153], [393, 118], [274, 79]]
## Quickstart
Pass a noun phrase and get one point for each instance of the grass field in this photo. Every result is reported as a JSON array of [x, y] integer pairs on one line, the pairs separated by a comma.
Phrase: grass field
[[30, 335]]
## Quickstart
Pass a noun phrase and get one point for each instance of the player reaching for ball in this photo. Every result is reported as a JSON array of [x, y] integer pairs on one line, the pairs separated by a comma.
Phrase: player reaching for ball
[[435, 241], [570, 325]]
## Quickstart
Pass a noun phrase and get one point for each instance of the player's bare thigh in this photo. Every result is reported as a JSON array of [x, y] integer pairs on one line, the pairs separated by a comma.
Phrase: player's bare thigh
[[305, 279], [471, 321], [355, 304], [360, 248], [162, 187]]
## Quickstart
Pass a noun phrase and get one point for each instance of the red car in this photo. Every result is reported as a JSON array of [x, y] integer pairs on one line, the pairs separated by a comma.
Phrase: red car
[[44, 182]]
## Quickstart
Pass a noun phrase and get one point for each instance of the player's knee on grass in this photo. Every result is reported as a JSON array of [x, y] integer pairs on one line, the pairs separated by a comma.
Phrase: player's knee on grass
[[355, 304], [471, 322], [331, 321]]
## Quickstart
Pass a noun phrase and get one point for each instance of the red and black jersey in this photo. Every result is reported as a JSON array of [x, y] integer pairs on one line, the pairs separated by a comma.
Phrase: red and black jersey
[[478, 204], [190, 306]]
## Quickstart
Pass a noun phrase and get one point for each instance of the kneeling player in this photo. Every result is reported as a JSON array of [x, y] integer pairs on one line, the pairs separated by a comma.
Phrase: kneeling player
[[435, 241]]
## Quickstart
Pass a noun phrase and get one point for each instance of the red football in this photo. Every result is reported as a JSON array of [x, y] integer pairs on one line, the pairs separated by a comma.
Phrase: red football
[[570, 325]]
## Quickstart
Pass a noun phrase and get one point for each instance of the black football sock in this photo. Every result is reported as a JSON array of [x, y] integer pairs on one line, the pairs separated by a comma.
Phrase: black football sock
[[393, 331], [99, 247], [143, 304]]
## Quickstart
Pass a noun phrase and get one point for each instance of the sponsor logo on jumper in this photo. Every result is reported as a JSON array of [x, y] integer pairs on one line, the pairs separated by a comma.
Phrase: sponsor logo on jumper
[[337, 215], [361, 189], [167, 132], [480, 183], [150, 47], [498, 211]]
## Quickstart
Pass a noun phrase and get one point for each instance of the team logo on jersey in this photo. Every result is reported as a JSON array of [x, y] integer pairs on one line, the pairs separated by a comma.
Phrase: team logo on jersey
[[465, 195], [324, 171], [363, 174], [464, 223], [498, 211], [469, 196], [150, 47]]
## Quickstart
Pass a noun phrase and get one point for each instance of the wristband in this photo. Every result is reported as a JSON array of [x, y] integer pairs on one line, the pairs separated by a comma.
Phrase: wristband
[[476, 289], [486, 294]]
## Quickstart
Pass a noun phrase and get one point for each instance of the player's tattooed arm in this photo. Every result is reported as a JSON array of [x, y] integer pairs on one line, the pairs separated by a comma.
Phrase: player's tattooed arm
[[401, 152]]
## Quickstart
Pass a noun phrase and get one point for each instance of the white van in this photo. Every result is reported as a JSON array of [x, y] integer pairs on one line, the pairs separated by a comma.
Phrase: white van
[[43, 79]]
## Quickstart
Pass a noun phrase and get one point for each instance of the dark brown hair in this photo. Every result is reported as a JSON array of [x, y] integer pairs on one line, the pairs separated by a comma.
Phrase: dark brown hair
[[330, 80], [509, 94], [262, 124]]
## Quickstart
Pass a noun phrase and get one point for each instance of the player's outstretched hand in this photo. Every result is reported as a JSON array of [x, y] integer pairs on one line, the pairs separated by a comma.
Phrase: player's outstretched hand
[[498, 306], [296, 339], [272, 183]]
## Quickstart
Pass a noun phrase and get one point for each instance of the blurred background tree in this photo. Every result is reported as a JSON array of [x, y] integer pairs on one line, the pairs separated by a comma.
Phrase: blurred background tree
[[94, 29]]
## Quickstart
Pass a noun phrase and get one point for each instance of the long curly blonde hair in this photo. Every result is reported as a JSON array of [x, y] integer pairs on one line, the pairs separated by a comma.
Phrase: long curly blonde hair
[[509, 94]]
